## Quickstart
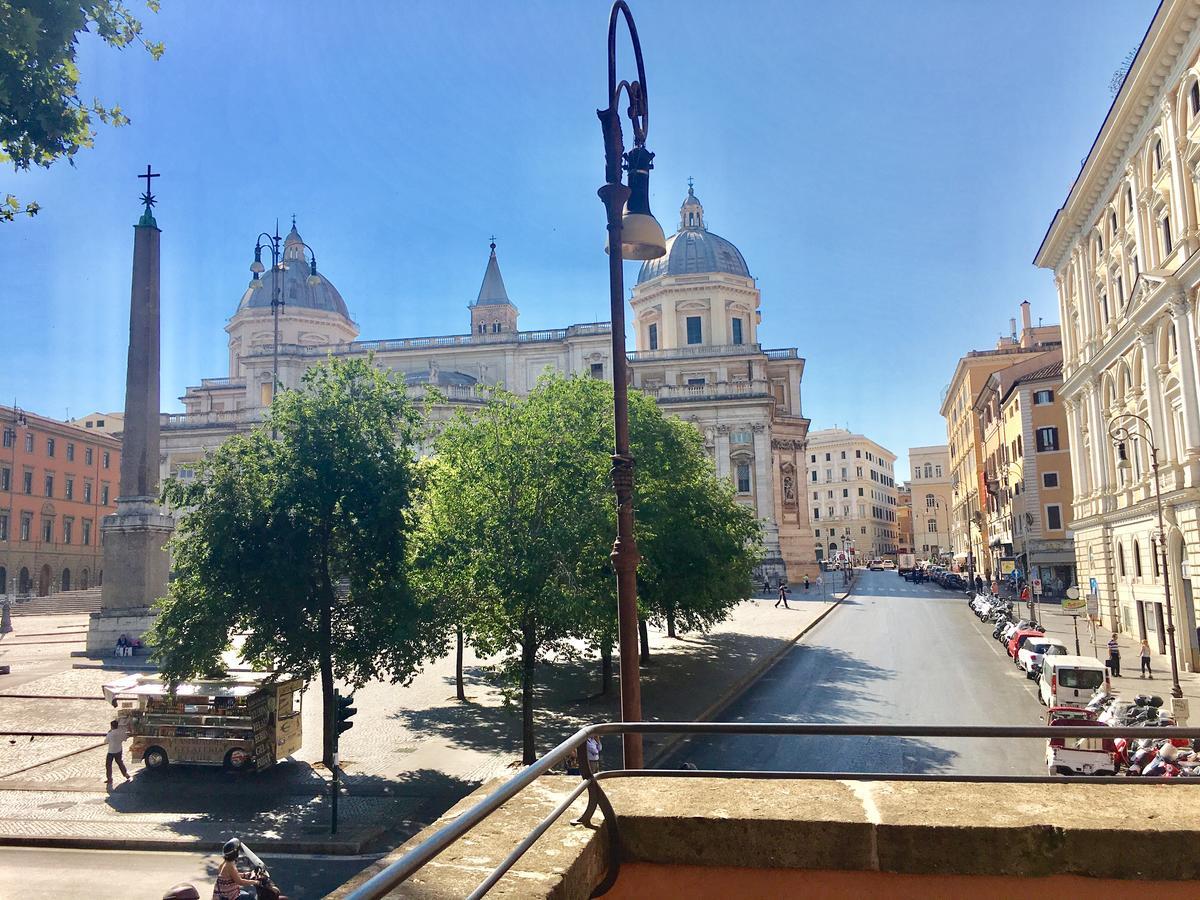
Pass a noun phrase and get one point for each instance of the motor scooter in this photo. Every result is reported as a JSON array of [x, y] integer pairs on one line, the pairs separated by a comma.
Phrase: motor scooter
[[265, 889]]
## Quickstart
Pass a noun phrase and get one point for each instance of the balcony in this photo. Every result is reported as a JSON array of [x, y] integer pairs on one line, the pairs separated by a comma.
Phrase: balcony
[[717, 390], [670, 833], [695, 351], [232, 419], [782, 353]]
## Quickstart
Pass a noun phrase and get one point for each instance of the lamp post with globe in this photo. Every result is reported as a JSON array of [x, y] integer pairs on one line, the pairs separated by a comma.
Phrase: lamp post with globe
[[1120, 436], [633, 233]]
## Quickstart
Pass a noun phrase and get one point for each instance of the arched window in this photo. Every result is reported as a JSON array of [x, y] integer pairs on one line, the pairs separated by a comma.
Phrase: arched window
[[1137, 560], [930, 501], [928, 470], [1154, 544], [1120, 560], [1194, 97], [1158, 155]]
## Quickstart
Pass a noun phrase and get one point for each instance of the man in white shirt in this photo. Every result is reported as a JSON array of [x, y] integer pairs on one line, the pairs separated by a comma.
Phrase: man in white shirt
[[593, 753], [116, 736]]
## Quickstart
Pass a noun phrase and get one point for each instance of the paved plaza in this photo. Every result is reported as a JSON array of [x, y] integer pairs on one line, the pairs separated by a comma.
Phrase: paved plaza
[[413, 751]]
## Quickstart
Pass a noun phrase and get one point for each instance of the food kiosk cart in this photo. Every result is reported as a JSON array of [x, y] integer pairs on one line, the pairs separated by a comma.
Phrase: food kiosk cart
[[245, 722]]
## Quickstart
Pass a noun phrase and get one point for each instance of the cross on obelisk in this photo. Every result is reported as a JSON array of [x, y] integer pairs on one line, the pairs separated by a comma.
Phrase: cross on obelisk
[[135, 563]]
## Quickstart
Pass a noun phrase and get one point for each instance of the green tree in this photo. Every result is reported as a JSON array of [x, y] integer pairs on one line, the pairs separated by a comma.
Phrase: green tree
[[518, 519], [511, 510], [300, 542], [42, 117]]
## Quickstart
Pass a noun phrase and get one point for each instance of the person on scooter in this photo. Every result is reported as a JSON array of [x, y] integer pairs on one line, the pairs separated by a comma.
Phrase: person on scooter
[[229, 880]]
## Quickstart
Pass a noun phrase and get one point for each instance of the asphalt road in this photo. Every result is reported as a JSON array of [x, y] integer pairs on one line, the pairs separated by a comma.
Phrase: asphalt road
[[892, 653], [147, 875]]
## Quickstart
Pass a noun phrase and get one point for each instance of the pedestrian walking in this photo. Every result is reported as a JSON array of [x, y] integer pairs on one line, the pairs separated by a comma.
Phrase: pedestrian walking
[[783, 592], [116, 736], [1114, 657], [806, 581], [593, 753], [1145, 654], [767, 586], [978, 584]]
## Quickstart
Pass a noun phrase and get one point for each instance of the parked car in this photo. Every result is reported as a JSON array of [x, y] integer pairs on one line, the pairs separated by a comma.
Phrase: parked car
[[1071, 680], [1029, 657], [1018, 638]]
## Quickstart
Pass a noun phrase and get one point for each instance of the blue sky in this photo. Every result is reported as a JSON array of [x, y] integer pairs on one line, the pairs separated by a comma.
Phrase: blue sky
[[887, 169]]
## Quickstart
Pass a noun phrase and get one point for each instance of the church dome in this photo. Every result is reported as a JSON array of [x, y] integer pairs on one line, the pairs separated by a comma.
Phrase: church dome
[[294, 289], [693, 249]]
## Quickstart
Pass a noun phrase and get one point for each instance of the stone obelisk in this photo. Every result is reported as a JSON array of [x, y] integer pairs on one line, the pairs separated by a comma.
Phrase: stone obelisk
[[136, 564]]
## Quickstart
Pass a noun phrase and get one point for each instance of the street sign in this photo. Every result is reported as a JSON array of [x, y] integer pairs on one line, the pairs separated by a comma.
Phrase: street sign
[[1074, 606], [1093, 587], [1037, 586], [1093, 606]]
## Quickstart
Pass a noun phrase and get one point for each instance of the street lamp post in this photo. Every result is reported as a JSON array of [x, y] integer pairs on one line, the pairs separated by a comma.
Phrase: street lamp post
[[275, 244], [633, 233], [1120, 434]]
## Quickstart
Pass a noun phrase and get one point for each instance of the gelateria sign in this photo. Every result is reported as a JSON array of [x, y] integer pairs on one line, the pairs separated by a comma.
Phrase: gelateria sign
[[1073, 604]]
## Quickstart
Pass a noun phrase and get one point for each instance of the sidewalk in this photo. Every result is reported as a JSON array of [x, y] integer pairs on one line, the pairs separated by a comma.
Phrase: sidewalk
[[414, 750], [1059, 625]]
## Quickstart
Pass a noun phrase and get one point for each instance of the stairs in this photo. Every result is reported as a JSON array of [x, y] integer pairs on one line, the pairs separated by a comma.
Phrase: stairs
[[62, 603]]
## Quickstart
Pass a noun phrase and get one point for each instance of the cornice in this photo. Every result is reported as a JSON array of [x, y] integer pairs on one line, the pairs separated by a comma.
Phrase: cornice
[[1169, 42]]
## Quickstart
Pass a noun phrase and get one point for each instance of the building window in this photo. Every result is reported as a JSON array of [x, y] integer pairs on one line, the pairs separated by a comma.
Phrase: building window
[[1158, 156], [1166, 236], [1054, 517], [87, 455], [104, 495], [814, 474], [26, 525], [597, 370], [1050, 479], [1120, 560], [68, 528], [695, 382], [1194, 97], [694, 333], [845, 492], [743, 478], [740, 437], [931, 526], [27, 484], [5, 479], [10, 437], [816, 512], [1137, 560], [70, 489], [70, 453], [1112, 223], [50, 446], [817, 533], [49, 485], [653, 337], [87, 492], [1042, 397], [737, 331], [47, 530], [860, 492], [87, 532], [1104, 307], [29, 442], [104, 459], [1047, 439]]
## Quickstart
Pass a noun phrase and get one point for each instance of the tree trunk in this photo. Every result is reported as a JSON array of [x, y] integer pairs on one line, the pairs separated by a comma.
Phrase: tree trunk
[[458, 679], [606, 666], [528, 654], [671, 622], [645, 635], [327, 702]]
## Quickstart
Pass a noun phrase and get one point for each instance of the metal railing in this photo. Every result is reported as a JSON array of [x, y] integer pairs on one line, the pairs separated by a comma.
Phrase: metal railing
[[396, 873]]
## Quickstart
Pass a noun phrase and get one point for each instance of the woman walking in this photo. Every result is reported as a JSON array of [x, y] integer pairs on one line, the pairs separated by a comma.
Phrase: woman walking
[[1145, 654]]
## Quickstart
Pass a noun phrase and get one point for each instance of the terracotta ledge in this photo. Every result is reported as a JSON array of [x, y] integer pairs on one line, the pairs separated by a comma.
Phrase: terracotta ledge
[[1118, 831]]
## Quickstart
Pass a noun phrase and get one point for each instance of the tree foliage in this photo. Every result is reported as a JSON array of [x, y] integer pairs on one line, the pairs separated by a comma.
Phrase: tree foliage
[[300, 542], [42, 116], [517, 522]]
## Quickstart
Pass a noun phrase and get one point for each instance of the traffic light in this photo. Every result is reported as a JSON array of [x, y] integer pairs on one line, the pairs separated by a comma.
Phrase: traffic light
[[345, 711]]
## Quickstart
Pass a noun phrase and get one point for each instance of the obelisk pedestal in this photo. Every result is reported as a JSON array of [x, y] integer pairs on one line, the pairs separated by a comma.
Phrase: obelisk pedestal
[[136, 564]]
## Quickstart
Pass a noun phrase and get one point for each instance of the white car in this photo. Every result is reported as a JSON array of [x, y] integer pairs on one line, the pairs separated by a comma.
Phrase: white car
[[888, 564], [1029, 657]]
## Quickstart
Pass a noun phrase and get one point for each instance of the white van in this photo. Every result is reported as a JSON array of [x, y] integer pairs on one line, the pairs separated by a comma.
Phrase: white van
[[1071, 680]]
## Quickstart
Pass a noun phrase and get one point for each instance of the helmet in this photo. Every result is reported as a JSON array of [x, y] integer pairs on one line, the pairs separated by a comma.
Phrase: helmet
[[232, 849]]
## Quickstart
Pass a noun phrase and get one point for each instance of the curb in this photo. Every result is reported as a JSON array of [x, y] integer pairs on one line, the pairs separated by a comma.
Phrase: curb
[[261, 845], [744, 683]]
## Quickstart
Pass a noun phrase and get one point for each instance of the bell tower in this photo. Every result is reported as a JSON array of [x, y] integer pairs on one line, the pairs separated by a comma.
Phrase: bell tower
[[493, 315]]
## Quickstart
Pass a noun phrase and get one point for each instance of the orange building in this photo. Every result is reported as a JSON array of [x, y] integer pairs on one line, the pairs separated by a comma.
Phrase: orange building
[[57, 482]]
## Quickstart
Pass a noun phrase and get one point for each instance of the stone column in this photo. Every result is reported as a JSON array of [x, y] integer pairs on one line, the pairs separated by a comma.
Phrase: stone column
[[764, 493], [136, 564], [1180, 307]]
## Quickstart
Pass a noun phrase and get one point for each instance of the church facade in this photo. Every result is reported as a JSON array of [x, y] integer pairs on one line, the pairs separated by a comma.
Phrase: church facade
[[695, 318]]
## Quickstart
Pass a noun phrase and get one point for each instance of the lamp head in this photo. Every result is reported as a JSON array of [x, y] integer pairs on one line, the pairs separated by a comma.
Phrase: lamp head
[[1123, 464], [641, 235], [257, 267], [313, 278]]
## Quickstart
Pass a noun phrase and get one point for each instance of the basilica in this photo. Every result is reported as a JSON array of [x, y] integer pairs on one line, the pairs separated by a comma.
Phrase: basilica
[[696, 320]]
